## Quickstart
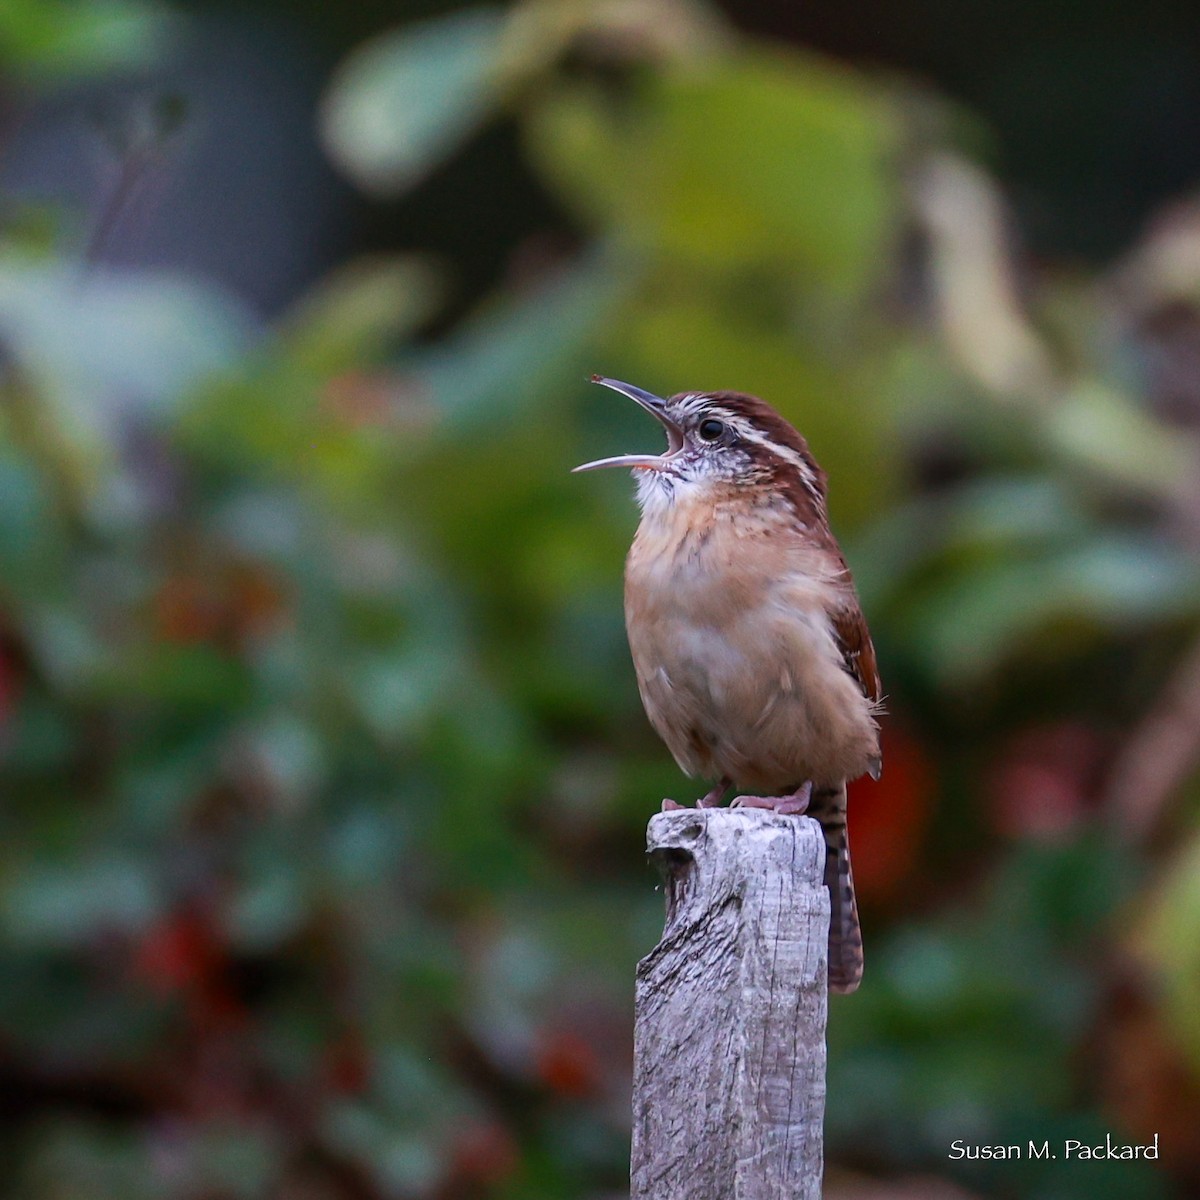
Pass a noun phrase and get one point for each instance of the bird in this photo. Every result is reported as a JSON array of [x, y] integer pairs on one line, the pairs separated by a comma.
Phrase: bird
[[753, 659]]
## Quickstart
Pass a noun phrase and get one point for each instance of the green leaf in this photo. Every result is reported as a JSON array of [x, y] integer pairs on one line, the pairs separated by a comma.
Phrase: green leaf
[[1106, 432], [1171, 940], [356, 314], [53, 39], [504, 354], [31, 542], [195, 680], [66, 906], [755, 158], [966, 626], [96, 345], [269, 910], [398, 1138], [405, 101], [994, 516]]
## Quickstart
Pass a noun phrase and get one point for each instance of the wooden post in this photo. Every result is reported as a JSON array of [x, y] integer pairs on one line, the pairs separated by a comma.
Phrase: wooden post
[[729, 1044]]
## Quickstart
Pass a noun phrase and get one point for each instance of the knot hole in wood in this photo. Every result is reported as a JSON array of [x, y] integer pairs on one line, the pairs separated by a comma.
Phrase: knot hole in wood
[[676, 866]]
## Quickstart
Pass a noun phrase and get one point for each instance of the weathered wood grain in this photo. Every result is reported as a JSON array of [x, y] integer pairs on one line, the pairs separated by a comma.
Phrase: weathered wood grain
[[729, 1051]]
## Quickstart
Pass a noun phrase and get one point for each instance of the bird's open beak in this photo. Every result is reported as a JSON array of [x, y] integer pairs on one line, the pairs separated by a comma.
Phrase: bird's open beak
[[656, 406]]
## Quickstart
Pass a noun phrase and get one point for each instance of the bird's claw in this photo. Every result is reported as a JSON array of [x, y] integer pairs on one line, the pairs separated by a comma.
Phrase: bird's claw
[[713, 797], [754, 802], [669, 805], [789, 806]]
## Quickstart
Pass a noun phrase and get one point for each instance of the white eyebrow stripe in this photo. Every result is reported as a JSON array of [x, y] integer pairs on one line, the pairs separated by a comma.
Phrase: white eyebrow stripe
[[794, 457], [698, 402]]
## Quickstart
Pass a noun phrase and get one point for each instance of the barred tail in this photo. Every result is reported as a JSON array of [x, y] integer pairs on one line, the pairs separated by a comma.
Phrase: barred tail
[[828, 806]]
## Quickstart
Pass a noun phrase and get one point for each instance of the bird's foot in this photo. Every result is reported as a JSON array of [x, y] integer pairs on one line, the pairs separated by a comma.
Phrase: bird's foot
[[711, 799], [790, 806]]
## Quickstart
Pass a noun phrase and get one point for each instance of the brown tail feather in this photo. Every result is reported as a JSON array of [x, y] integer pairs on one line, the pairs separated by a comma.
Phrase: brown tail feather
[[828, 806]]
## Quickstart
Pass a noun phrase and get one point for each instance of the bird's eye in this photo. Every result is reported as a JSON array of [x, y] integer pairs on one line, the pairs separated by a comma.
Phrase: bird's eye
[[710, 429]]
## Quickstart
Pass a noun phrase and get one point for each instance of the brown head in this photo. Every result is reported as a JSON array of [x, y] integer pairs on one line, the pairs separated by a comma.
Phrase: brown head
[[718, 440]]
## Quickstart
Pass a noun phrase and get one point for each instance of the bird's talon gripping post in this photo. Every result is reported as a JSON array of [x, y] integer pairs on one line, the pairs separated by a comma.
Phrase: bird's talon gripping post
[[797, 803], [713, 797], [794, 805], [670, 805], [768, 802]]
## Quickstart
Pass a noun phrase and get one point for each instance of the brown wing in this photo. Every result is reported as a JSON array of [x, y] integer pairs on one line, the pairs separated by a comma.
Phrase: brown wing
[[805, 492], [854, 639]]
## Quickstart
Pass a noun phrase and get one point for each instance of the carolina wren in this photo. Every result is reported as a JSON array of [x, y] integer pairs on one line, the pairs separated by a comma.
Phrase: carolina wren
[[753, 660]]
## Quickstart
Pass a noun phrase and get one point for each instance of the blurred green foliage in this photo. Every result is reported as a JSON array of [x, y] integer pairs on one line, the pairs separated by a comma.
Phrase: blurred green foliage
[[67, 39], [324, 769]]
